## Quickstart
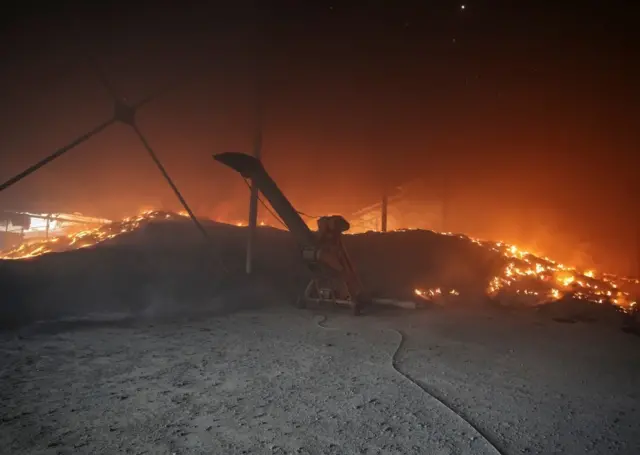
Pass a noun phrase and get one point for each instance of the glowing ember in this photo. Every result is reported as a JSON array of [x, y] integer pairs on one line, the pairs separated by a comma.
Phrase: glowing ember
[[524, 274], [544, 280], [433, 293], [541, 277], [85, 238]]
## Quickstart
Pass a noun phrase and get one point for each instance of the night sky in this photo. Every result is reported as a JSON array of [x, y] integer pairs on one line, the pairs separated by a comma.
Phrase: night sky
[[527, 109]]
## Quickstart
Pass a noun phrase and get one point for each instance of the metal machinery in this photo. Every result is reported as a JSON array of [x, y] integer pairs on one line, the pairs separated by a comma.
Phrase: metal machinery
[[334, 277]]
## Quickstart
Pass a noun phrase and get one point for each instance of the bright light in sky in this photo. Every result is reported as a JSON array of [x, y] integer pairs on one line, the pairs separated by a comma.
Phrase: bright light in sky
[[463, 6]]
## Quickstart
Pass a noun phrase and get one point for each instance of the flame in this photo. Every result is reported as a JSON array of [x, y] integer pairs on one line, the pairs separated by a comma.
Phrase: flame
[[429, 294], [524, 273], [539, 276], [86, 237], [544, 280]]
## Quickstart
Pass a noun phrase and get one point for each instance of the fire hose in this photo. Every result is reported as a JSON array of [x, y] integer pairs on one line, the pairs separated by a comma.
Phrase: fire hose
[[320, 321]]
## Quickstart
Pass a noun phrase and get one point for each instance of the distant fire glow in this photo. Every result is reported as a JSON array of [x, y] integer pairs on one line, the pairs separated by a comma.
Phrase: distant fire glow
[[86, 237], [433, 293]]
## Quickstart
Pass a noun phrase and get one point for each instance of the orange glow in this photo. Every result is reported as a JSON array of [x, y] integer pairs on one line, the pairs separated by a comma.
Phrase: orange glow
[[524, 273], [85, 238]]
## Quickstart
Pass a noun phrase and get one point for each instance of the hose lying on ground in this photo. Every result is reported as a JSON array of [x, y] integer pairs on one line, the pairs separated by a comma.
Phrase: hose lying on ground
[[322, 319]]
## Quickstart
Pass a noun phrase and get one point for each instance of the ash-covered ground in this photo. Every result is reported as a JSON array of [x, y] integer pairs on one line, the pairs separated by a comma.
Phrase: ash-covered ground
[[272, 381], [146, 351]]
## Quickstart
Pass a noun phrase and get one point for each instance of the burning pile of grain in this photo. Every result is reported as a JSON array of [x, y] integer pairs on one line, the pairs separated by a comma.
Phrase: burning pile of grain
[[86, 237], [158, 259]]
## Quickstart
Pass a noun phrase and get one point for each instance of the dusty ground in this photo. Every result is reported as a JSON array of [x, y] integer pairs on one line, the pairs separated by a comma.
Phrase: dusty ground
[[272, 381]]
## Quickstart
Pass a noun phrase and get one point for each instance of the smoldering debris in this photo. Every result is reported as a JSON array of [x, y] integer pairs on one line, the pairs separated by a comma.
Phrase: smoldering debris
[[164, 269]]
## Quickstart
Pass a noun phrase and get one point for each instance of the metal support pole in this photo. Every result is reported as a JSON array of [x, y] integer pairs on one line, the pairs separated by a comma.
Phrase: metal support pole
[[383, 215], [635, 192], [173, 186], [47, 229], [637, 247], [253, 200], [257, 149], [57, 154], [118, 116], [4, 240], [445, 203]]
